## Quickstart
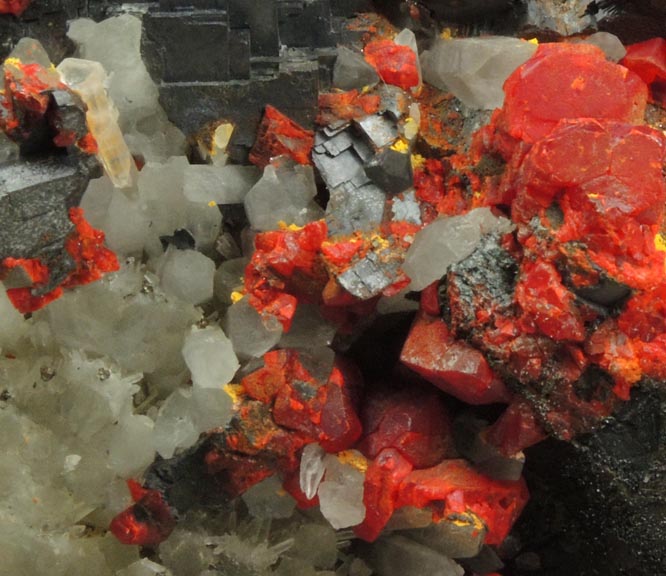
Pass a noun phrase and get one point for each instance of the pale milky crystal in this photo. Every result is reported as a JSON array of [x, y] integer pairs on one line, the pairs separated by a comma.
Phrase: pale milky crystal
[[87, 79], [144, 567], [219, 184], [131, 446], [312, 469], [12, 324], [475, 69], [268, 499], [609, 43], [184, 553], [211, 408], [341, 493], [250, 334], [447, 241], [187, 275], [30, 51], [285, 193], [400, 556], [174, 428], [210, 357]]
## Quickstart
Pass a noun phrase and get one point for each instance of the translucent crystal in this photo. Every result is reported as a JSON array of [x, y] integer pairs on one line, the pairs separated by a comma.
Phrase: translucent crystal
[[341, 492], [219, 184], [407, 38], [351, 71], [174, 428], [229, 278], [250, 334], [475, 69], [31, 51], [187, 274], [285, 193], [184, 554], [312, 469], [131, 446], [87, 79], [400, 556], [447, 241], [144, 567], [211, 408], [267, 499], [12, 324], [609, 43], [210, 357]]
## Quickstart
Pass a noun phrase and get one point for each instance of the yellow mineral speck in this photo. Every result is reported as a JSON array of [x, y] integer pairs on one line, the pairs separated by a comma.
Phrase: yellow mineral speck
[[236, 296], [353, 458], [533, 41], [660, 242], [446, 34], [222, 136], [291, 227], [417, 161], [235, 391], [87, 80], [212, 203], [400, 145]]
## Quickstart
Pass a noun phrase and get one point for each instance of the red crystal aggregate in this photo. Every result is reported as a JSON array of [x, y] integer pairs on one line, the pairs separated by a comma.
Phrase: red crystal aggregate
[[395, 64], [279, 135], [15, 7], [92, 260]]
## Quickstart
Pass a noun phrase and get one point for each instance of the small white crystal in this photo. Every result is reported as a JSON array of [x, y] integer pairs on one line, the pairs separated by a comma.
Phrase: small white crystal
[[174, 428], [211, 408], [475, 69], [131, 446], [447, 241], [341, 492], [250, 334], [609, 43], [407, 38], [187, 274], [268, 499], [312, 469], [219, 184], [316, 544], [285, 193], [144, 567], [210, 357], [71, 462]]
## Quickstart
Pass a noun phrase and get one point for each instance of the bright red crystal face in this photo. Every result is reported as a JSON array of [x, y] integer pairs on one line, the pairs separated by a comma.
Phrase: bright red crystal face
[[15, 7], [566, 81], [647, 60], [395, 64], [279, 135], [454, 366], [417, 425]]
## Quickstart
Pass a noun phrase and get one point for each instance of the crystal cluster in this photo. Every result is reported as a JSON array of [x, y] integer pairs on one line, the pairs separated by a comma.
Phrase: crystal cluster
[[202, 390]]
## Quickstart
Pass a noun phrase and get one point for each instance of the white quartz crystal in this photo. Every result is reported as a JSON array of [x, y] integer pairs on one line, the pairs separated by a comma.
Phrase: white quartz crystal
[[228, 279], [219, 184], [210, 357], [187, 274], [312, 469], [474, 69], [285, 193], [407, 38], [341, 492], [174, 426], [250, 333], [144, 567], [447, 241], [131, 445], [12, 325], [609, 43]]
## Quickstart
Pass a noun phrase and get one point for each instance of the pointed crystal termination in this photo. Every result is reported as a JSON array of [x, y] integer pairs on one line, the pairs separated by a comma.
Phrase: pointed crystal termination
[[87, 79]]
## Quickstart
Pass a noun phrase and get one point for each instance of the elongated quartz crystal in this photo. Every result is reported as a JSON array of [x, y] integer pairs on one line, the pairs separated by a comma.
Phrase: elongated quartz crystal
[[87, 79]]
